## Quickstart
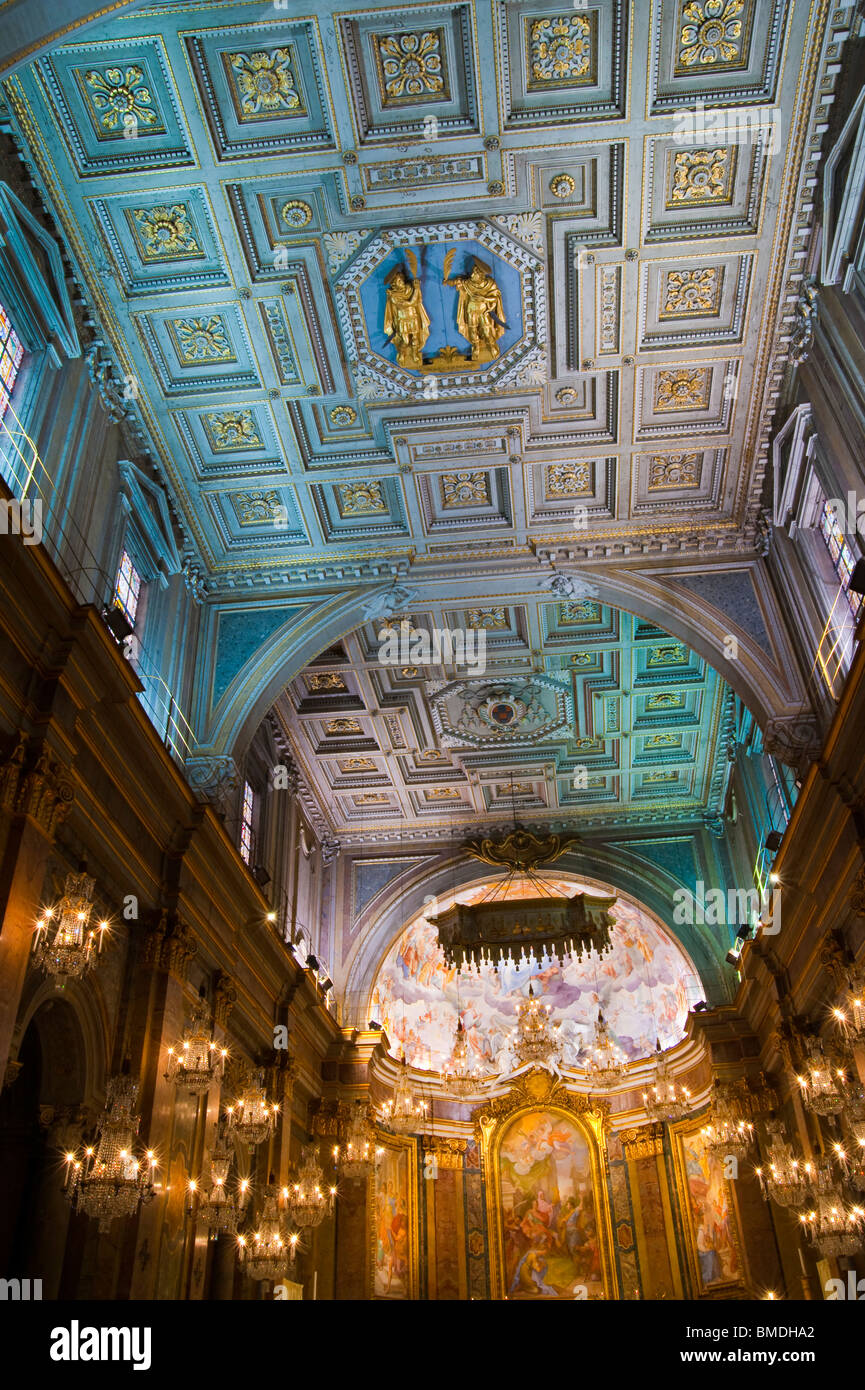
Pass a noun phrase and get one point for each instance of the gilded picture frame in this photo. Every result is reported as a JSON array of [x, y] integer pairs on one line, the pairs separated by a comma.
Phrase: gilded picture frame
[[396, 1165], [538, 1093], [710, 1218]]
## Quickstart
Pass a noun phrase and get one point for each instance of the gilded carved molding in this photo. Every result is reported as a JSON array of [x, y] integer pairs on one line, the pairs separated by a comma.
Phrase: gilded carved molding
[[169, 945], [448, 1153], [644, 1142], [538, 1088], [44, 793]]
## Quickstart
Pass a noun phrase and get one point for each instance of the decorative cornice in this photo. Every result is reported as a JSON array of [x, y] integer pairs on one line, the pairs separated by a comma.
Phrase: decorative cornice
[[645, 1142]]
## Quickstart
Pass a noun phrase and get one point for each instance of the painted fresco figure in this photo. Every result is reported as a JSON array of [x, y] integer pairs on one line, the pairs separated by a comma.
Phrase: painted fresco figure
[[406, 321], [480, 314]]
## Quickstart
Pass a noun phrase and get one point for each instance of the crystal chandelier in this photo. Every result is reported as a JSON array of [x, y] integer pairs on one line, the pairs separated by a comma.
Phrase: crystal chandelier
[[308, 1200], [666, 1099], [197, 1061], [264, 1253], [607, 1064], [404, 1112], [221, 1209], [822, 1084], [65, 945], [356, 1155], [462, 1078], [850, 1016], [535, 1039], [108, 1180], [785, 1179], [833, 1227], [251, 1118], [728, 1132]]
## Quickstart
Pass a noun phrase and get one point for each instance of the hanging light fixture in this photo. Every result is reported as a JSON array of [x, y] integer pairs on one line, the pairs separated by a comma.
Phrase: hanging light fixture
[[251, 1117], [822, 1082], [849, 1016], [265, 1252], [65, 945], [606, 1064], [786, 1179], [109, 1179], [462, 1077], [834, 1226], [356, 1155], [197, 1061], [666, 1099], [535, 1039], [404, 1112], [221, 1209], [728, 1132], [309, 1199]]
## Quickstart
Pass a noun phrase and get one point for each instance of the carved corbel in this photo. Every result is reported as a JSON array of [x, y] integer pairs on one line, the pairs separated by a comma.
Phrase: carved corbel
[[644, 1142], [224, 999]]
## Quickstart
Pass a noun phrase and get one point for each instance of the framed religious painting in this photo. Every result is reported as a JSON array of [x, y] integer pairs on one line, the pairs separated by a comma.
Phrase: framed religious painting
[[547, 1203], [394, 1220], [709, 1216]]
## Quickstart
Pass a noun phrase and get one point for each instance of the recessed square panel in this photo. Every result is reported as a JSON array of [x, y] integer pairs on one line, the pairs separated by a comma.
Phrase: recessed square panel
[[237, 441], [465, 498], [262, 88], [160, 242], [697, 190], [677, 400], [360, 510], [574, 492], [693, 301], [199, 350], [561, 63], [405, 70], [676, 480], [116, 106], [717, 52]]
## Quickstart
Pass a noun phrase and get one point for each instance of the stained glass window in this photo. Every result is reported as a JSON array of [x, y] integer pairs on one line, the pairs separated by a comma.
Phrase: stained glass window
[[842, 556], [11, 352], [246, 822], [127, 587]]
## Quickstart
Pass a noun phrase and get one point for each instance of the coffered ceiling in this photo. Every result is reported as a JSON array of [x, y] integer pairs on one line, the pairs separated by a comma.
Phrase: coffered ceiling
[[583, 713], [236, 183]]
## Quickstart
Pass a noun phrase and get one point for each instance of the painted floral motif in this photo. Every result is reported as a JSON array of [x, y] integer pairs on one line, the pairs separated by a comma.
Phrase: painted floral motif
[[343, 415], [165, 233], [688, 292], [671, 654], [666, 699], [583, 610], [411, 65], [442, 794], [342, 726], [702, 176], [685, 388], [371, 799], [487, 617], [296, 214], [265, 84], [569, 479], [664, 741], [326, 680], [660, 777], [361, 499], [122, 101], [674, 470], [712, 34], [340, 245], [256, 508], [562, 185], [232, 429], [356, 765], [202, 340], [560, 51], [464, 489]]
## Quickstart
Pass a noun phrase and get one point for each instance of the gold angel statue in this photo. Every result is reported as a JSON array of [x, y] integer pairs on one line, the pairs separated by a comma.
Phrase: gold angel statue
[[480, 313], [406, 321]]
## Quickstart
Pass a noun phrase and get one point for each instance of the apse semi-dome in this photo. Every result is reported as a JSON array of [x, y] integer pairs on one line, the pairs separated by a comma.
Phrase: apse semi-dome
[[645, 986]]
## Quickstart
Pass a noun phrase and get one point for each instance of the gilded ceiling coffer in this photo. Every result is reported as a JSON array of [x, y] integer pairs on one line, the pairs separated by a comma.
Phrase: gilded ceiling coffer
[[501, 927]]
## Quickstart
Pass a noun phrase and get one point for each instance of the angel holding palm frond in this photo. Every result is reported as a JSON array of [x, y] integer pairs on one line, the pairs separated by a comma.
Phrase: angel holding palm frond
[[480, 313], [406, 321]]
